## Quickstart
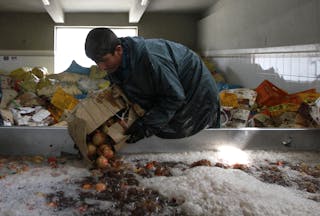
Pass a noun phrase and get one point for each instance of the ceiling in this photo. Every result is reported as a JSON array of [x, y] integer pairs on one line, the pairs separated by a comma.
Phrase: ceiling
[[57, 8]]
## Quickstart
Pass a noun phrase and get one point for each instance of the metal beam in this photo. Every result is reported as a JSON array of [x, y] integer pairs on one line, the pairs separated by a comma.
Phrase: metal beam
[[277, 139], [55, 140], [54, 9], [137, 10]]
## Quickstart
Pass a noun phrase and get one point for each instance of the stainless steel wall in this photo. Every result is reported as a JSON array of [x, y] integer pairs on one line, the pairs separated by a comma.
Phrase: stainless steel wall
[[240, 24]]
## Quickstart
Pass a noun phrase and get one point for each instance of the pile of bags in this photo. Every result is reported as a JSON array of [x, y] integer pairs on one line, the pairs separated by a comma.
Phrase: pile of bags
[[265, 106], [269, 106], [33, 97]]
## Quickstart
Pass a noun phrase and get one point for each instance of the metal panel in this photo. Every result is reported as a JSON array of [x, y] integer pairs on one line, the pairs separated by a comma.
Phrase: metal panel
[[47, 141], [51, 141], [293, 68], [243, 138]]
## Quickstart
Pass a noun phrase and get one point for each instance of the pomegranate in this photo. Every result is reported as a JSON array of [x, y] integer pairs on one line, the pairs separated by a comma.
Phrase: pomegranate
[[86, 186], [92, 150], [98, 138], [101, 187], [107, 152], [102, 162]]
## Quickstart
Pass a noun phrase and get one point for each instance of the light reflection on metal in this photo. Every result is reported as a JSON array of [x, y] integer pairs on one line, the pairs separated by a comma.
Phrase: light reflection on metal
[[144, 2], [232, 155], [46, 2]]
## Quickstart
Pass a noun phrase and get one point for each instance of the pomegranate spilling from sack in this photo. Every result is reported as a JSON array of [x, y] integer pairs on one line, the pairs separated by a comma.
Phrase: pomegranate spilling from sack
[[98, 123]]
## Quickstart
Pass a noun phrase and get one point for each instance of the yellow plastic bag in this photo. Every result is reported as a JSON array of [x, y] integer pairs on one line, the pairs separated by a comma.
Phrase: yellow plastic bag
[[40, 72], [96, 73], [20, 74], [282, 108], [229, 99], [63, 100]]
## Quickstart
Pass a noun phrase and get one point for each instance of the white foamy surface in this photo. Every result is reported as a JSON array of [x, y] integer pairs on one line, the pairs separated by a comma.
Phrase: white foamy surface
[[24, 194], [201, 190], [218, 191]]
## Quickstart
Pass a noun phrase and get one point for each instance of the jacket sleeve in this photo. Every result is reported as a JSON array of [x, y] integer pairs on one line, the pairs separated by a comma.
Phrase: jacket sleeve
[[169, 93]]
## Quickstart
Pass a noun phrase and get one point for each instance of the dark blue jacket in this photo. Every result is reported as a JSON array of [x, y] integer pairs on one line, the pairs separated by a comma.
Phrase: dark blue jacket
[[171, 83]]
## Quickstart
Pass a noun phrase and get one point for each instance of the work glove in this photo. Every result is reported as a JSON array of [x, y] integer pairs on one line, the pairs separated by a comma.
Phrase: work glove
[[137, 131]]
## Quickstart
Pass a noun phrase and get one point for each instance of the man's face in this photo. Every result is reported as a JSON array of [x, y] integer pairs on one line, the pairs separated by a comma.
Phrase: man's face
[[111, 62]]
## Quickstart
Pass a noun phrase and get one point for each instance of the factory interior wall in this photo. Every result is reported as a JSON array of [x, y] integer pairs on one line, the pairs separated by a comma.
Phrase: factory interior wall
[[35, 31], [26, 31], [27, 39], [253, 40], [258, 23]]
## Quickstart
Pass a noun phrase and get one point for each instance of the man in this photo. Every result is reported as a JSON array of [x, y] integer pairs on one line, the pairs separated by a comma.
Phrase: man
[[168, 80]]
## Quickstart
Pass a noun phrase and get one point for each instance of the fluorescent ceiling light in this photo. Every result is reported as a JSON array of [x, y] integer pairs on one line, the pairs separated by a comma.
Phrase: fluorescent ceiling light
[[144, 2], [46, 2]]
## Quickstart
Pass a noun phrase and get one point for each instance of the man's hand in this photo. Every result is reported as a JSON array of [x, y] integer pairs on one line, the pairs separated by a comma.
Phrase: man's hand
[[137, 131]]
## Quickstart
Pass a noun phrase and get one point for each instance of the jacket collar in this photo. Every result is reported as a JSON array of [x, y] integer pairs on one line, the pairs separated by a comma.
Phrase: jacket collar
[[123, 72]]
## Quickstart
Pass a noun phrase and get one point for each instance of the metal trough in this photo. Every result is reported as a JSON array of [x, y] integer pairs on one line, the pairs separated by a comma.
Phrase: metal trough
[[52, 141]]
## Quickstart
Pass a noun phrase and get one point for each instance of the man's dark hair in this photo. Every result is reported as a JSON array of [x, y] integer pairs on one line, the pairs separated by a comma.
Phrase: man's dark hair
[[99, 42]]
